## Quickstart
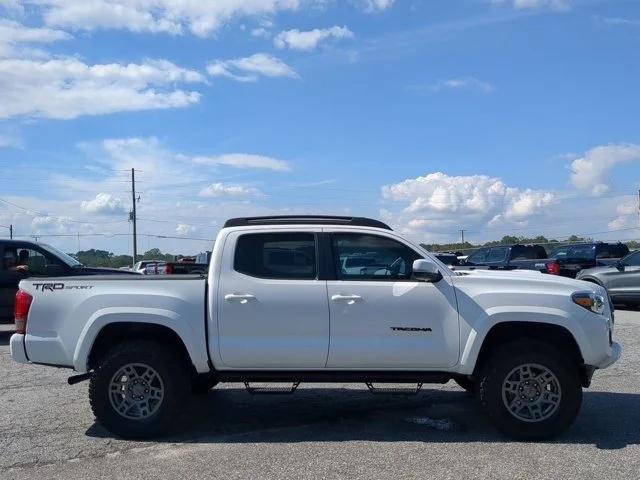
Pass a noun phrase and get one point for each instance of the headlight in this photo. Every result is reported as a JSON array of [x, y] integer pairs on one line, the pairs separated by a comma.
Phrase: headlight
[[590, 301]]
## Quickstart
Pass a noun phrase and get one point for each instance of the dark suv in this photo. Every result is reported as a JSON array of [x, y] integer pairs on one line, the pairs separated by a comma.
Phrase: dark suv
[[21, 259]]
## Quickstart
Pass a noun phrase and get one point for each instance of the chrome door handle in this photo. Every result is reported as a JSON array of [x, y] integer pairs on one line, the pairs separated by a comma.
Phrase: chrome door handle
[[244, 298], [350, 299]]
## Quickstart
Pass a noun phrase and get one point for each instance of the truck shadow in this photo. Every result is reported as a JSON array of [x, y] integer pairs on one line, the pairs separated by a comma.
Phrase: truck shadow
[[5, 336], [230, 415]]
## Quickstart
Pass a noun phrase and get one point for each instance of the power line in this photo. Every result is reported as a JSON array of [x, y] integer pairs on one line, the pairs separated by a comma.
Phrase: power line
[[64, 219], [111, 235]]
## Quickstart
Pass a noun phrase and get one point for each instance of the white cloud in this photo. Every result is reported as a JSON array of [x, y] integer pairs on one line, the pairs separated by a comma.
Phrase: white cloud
[[104, 204], [372, 6], [149, 155], [617, 21], [560, 5], [590, 172], [309, 40], [627, 215], [219, 189], [200, 17], [250, 69], [467, 83], [261, 32], [441, 200], [14, 35], [183, 229], [68, 88], [245, 160]]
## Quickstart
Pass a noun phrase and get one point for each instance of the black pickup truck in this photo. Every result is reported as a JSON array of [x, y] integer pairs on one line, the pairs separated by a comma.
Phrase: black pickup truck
[[565, 260], [511, 257], [21, 259], [569, 260]]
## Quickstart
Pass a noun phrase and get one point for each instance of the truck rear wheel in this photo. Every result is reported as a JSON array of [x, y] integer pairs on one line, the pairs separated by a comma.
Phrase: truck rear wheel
[[136, 390], [531, 390]]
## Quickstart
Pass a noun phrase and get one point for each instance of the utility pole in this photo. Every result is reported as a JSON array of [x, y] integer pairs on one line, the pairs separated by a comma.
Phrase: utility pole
[[133, 214], [11, 230], [462, 233]]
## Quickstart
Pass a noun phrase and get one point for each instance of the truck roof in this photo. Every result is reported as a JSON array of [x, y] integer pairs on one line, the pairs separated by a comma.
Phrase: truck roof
[[305, 220]]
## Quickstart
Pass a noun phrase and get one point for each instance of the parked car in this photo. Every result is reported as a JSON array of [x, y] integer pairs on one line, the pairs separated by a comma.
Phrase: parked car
[[278, 306], [568, 260], [185, 268], [448, 258], [20, 259], [141, 266], [621, 280], [509, 257]]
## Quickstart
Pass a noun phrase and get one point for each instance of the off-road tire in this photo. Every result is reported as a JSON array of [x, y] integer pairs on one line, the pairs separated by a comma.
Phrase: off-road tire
[[169, 367], [505, 359]]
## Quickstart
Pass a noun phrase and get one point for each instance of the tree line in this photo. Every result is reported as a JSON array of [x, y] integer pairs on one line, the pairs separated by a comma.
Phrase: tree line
[[104, 258]]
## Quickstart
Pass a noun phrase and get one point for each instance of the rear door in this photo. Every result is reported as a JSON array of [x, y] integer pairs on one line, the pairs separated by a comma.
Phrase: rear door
[[380, 317], [272, 308]]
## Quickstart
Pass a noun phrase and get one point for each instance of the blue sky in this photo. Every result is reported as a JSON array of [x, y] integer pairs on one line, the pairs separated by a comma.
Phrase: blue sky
[[499, 117]]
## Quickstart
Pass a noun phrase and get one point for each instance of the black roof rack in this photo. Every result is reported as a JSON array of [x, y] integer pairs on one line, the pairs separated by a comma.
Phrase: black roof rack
[[305, 220]]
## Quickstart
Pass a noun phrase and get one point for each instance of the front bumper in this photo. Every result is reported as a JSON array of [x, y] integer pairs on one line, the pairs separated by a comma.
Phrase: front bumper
[[18, 351], [613, 357]]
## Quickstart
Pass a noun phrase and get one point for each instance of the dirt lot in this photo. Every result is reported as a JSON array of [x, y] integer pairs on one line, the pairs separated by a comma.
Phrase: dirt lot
[[333, 431]]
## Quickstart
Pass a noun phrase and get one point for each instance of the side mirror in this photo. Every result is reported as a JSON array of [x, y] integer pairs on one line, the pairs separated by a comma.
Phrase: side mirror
[[426, 271], [620, 266]]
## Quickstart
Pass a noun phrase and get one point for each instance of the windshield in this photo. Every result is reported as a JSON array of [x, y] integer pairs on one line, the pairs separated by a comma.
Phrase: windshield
[[68, 259], [574, 252]]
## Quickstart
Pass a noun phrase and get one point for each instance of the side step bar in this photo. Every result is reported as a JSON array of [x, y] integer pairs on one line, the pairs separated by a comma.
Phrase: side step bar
[[271, 390], [394, 390]]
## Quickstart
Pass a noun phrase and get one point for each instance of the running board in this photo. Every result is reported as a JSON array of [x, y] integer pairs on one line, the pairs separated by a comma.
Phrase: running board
[[271, 390], [394, 390]]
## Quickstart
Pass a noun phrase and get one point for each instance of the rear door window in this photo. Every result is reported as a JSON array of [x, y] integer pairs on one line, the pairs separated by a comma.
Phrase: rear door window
[[288, 256]]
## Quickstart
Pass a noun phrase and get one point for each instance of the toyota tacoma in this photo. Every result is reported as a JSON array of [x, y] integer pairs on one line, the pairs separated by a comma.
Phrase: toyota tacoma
[[320, 299]]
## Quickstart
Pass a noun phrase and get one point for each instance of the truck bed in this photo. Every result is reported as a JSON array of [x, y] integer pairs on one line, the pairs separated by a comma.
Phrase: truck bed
[[70, 311]]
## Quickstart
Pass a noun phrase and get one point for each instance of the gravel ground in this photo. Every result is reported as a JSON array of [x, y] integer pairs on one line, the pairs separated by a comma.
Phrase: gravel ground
[[323, 431]]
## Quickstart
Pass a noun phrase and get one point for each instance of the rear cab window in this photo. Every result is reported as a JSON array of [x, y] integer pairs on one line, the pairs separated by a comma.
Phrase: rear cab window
[[285, 255]]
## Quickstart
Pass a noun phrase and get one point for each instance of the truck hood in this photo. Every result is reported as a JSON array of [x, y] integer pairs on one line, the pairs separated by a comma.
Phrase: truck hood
[[525, 279]]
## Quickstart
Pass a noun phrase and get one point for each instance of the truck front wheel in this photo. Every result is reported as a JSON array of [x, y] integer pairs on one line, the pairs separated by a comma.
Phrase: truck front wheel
[[136, 390], [531, 390]]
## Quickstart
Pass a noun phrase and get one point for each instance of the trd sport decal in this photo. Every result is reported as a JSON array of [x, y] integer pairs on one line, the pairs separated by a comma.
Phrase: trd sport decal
[[410, 329], [52, 287]]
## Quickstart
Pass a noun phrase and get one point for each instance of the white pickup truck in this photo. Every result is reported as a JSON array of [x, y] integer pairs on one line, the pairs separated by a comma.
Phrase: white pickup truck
[[320, 299]]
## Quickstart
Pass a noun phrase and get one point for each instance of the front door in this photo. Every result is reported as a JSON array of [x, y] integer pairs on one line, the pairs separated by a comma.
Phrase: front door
[[380, 317], [272, 309], [625, 284]]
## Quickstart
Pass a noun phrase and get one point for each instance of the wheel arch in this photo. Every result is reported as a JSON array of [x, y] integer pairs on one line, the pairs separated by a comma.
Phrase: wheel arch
[[507, 332], [142, 323], [116, 333]]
